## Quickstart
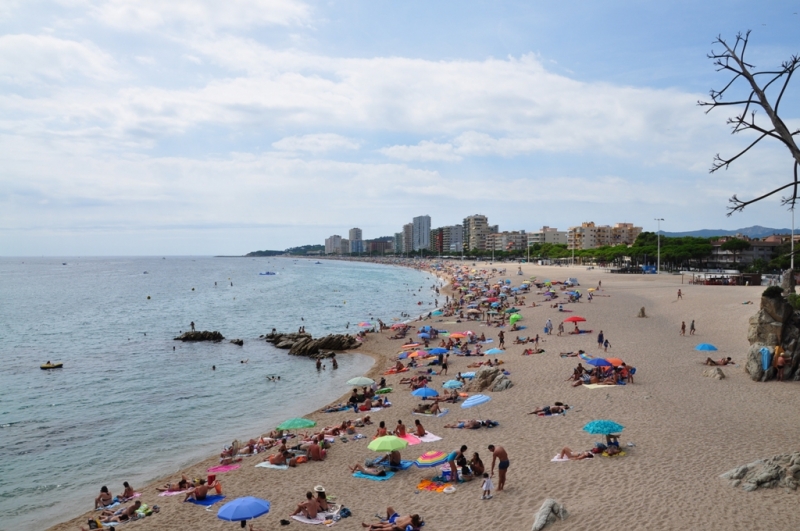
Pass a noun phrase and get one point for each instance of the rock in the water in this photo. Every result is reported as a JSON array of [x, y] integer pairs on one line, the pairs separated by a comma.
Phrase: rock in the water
[[549, 513], [305, 345], [777, 471], [714, 372], [488, 378], [205, 335], [642, 312], [239, 342]]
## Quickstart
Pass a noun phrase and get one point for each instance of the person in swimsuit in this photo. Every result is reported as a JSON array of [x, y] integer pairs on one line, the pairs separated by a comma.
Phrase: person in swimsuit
[[721, 361], [453, 457], [569, 454], [400, 431], [128, 493], [368, 470], [105, 498], [550, 410], [183, 484], [309, 508], [420, 431], [395, 522], [499, 454], [197, 493], [125, 514]]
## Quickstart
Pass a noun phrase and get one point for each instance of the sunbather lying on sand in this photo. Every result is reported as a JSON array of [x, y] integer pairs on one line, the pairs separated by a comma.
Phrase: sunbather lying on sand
[[183, 484], [569, 454], [572, 354], [396, 522], [123, 515], [428, 409], [469, 424], [368, 470], [721, 361], [550, 410]]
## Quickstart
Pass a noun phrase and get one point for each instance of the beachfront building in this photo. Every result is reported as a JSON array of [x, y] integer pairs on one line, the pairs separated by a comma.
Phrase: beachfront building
[[476, 228], [333, 244], [356, 242], [421, 232], [590, 236], [548, 235], [379, 246], [764, 249], [408, 237], [398, 243], [344, 248], [507, 241], [447, 239]]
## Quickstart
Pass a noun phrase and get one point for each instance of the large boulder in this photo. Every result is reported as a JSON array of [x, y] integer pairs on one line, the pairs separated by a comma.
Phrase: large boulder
[[549, 513], [304, 345], [714, 372], [777, 471], [488, 378], [205, 335], [775, 323]]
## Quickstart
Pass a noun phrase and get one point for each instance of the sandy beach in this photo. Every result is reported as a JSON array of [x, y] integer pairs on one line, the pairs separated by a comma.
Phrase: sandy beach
[[687, 429]]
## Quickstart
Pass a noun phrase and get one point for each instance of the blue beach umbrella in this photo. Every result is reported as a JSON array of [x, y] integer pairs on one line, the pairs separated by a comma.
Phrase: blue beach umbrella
[[495, 304], [705, 346], [242, 509], [494, 351], [425, 328], [603, 427], [452, 384], [402, 356], [599, 362], [438, 350], [437, 313], [425, 392], [424, 335], [475, 400]]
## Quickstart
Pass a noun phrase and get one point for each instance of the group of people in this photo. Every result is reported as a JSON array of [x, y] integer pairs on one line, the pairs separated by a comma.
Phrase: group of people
[[609, 375]]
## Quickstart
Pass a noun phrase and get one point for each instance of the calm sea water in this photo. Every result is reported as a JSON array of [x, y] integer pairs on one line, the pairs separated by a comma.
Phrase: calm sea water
[[126, 406]]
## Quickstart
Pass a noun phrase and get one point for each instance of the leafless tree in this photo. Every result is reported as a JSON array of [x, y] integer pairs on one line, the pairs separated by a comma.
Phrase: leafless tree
[[731, 59]]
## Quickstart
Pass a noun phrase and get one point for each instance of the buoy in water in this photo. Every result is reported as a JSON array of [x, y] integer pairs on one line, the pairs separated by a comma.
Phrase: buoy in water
[[192, 289], [148, 297]]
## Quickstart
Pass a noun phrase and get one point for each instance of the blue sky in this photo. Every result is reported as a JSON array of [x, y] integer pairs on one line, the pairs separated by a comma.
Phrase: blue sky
[[202, 127]]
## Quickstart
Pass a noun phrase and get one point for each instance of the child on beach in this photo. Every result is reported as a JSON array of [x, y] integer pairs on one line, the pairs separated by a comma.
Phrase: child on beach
[[487, 487]]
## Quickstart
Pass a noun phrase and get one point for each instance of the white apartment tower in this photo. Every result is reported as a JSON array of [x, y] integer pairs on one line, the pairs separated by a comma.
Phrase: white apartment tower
[[421, 233]]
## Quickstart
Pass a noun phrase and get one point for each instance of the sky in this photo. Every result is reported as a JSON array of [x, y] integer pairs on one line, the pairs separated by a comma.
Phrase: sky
[[199, 127]]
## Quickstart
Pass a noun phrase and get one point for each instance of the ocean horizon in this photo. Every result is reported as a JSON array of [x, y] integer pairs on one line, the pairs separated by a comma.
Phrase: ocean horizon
[[126, 406]]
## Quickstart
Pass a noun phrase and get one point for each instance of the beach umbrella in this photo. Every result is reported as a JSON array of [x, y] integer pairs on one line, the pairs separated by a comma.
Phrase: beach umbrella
[[616, 362], [495, 304], [475, 400], [437, 313], [296, 424], [402, 356], [360, 381], [418, 354], [514, 318], [458, 335], [424, 335], [425, 392], [452, 384], [431, 459], [705, 346], [603, 427], [512, 310], [574, 319], [598, 362], [242, 509], [398, 325], [387, 443], [494, 351], [438, 350]]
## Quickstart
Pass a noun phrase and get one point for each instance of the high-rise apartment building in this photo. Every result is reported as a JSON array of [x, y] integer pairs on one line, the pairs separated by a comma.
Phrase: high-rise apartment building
[[408, 237], [333, 244], [476, 228], [507, 241], [398, 243], [356, 241], [421, 232]]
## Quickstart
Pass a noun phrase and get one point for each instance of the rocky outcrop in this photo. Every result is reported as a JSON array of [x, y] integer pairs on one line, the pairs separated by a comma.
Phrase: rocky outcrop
[[205, 335], [778, 471], [714, 372], [549, 513], [775, 323], [491, 378], [305, 345], [239, 342]]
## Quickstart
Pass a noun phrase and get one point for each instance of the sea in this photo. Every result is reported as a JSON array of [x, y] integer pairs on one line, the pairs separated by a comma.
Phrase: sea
[[131, 403]]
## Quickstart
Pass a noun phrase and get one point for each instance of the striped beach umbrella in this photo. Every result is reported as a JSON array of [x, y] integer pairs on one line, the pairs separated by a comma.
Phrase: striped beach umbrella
[[431, 459], [452, 384]]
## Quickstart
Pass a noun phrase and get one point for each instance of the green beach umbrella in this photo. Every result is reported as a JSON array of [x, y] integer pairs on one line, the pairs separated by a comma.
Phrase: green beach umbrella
[[361, 381], [387, 443], [296, 424], [514, 318]]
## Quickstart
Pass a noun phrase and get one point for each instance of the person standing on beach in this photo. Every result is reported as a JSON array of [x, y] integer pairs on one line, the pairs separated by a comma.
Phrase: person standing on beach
[[444, 364], [549, 326], [606, 344], [600, 339], [680, 295], [499, 454], [452, 458], [683, 328], [560, 328], [691, 328], [502, 338]]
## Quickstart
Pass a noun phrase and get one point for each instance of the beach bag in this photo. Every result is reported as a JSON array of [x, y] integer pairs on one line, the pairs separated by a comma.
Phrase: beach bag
[[344, 512], [95, 523]]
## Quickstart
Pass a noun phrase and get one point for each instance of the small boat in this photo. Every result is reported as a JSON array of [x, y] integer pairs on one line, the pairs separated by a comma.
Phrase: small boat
[[48, 366], [268, 273], [317, 263]]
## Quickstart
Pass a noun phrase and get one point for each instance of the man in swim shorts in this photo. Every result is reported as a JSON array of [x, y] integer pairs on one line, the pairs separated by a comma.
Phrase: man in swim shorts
[[198, 493], [499, 454]]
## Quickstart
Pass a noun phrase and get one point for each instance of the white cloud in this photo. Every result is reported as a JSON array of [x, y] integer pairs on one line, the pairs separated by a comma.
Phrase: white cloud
[[424, 151], [35, 59], [136, 15], [316, 143]]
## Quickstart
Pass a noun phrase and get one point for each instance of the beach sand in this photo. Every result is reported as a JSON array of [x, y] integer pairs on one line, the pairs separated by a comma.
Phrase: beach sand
[[687, 429]]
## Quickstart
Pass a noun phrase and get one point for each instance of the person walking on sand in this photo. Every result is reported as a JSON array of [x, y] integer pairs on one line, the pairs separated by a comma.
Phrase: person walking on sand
[[680, 295], [691, 328], [683, 328], [502, 338], [600, 339], [549, 326], [487, 487], [606, 344], [499, 454], [560, 328]]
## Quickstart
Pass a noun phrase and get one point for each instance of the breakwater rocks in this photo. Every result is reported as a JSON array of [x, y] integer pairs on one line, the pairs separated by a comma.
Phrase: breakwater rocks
[[305, 345], [778, 471], [775, 324], [205, 335]]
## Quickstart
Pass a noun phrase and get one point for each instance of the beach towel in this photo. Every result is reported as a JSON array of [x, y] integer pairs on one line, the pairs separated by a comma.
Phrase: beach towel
[[107, 506], [342, 408], [135, 495], [429, 437], [321, 517], [374, 478], [599, 386], [221, 469], [488, 341], [174, 492], [443, 413], [561, 460], [208, 501], [404, 465], [433, 486], [411, 439], [267, 464], [606, 454]]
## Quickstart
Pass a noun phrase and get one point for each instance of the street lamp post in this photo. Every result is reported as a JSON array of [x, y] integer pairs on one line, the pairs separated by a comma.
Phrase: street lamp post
[[658, 237]]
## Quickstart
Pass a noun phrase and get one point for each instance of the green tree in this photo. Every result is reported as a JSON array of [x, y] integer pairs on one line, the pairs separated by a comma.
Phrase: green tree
[[735, 245]]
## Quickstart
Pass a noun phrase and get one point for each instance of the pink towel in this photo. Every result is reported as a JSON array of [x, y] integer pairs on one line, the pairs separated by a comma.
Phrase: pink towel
[[222, 468], [412, 439], [174, 492]]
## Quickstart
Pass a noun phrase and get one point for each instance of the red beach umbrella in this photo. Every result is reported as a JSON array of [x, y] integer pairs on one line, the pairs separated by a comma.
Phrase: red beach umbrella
[[574, 319]]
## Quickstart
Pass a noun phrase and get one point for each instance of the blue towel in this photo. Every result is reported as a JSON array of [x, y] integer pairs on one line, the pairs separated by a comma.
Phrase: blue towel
[[210, 500], [404, 465], [374, 478]]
